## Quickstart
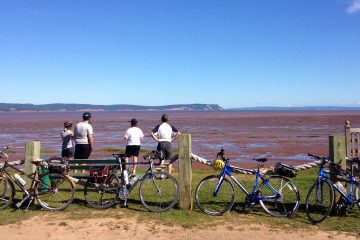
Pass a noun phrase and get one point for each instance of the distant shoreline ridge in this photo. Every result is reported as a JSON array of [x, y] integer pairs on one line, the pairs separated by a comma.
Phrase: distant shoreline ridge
[[62, 107], [59, 107]]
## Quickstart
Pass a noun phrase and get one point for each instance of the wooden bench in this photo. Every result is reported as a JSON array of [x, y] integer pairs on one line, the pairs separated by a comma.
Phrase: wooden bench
[[85, 164]]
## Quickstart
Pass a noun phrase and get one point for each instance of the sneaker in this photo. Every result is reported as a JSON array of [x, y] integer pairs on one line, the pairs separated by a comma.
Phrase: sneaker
[[133, 174]]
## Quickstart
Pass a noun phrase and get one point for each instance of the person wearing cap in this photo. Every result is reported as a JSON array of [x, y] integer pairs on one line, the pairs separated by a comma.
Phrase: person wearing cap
[[164, 134], [133, 137], [68, 145], [84, 138]]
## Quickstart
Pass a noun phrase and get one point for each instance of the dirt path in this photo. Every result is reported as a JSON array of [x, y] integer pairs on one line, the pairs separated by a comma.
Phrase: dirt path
[[39, 228]]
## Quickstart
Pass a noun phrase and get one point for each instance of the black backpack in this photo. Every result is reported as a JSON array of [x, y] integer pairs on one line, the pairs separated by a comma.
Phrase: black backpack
[[58, 165]]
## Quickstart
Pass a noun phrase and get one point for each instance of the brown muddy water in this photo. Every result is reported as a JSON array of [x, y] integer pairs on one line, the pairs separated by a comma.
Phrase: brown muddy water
[[285, 136]]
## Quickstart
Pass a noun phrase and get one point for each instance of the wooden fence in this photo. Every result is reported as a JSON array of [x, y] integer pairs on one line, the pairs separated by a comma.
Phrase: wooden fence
[[340, 147]]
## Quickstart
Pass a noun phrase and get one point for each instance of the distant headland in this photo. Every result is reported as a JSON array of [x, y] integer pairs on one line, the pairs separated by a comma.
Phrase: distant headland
[[16, 107]]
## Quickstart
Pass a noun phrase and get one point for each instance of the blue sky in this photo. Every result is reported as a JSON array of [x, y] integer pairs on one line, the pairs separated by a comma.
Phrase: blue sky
[[235, 53]]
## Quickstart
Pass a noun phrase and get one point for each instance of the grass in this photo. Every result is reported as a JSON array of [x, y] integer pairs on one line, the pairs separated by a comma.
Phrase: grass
[[196, 219]]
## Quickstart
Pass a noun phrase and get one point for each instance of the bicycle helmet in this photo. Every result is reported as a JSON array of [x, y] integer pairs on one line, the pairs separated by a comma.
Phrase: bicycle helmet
[[86, 115], [218, 164], [68, 123]]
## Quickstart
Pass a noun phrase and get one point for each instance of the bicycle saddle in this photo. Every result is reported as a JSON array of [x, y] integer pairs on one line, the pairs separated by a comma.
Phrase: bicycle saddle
[[260, 159], [119, 155]]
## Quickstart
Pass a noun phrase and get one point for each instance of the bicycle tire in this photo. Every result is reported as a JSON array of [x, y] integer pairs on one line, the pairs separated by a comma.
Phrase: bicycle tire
[[214, 205], [317, 211], [55, 192], [287, 204], [104, 195], [7, 192], [159, 192], [356, 195]]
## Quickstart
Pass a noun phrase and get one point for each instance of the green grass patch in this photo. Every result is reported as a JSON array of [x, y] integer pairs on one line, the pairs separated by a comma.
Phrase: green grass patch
[[48, 151], [234, 219]]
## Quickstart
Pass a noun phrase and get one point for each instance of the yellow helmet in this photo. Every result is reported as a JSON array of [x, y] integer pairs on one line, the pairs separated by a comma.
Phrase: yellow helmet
[[218, 164]]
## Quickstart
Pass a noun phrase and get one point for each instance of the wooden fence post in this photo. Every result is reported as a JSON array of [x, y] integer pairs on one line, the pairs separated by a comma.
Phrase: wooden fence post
[[348, 139], [185, 172], [32, 152], [337, 150]]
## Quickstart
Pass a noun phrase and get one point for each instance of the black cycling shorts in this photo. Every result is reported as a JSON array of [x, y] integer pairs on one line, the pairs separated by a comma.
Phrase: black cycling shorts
[[82, 151], [68, 153], [132, 150], [165, 147]]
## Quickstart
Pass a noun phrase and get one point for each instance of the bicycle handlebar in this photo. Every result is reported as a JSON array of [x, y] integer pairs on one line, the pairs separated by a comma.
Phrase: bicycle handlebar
[[221, 154], [318, 157]]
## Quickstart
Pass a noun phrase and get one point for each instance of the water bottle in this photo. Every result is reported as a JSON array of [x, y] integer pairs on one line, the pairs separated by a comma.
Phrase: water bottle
[[19, 179], [341, 187], [134, 180], [126, 177]]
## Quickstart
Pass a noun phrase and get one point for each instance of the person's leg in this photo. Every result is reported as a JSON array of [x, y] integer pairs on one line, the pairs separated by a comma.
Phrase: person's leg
[[127, 154], [87, 151], [136, 152], [81, 153], [166, 148]]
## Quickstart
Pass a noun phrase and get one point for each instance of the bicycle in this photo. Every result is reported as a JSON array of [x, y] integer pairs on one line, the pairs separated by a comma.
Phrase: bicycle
[[320, 199], [53, 191], [158, 191], [277, 195]]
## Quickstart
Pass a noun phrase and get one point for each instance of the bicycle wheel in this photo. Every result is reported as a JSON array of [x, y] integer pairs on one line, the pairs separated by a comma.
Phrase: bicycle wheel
[[214, 204], [159, 192], [319, 201], [356, 195], [55, 192], [102, 195], [280, 197], [6, 192]]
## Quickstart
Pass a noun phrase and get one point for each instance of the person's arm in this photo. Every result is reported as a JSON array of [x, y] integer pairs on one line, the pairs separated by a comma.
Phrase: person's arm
[[91, 136], [153, 133], [141, 135], [154, 137], [126, 136], [72, 134], [91, 140], [176, 132]]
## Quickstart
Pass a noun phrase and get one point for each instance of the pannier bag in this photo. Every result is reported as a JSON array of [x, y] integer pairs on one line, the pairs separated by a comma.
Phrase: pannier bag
[[98, 173], [58, 165], [285, 170]]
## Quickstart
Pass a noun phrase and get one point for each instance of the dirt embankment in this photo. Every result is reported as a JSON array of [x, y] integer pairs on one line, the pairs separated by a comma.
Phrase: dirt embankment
[[44, 227]]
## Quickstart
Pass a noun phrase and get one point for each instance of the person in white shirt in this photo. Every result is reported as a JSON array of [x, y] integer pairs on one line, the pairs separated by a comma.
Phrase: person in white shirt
[[164, 134], [84, 138], [133, 137], [68, 145]]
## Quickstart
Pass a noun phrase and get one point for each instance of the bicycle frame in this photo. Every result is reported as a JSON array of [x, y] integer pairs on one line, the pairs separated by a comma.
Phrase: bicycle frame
[[228, 169], [34, 177]]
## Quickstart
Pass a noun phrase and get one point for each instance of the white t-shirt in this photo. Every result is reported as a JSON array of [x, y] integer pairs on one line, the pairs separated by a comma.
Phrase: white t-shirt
[[133, 136], [164, 132], [82, 131], [68, 140]]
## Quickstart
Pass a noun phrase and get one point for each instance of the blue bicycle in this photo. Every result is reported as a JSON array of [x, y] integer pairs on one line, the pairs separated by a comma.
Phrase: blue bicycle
[[320, 199], [277, 195]]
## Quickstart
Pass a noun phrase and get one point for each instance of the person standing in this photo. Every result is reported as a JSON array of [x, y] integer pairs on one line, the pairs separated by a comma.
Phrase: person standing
[[84, 138], [164, 134], [68, 145], [133, 137]]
